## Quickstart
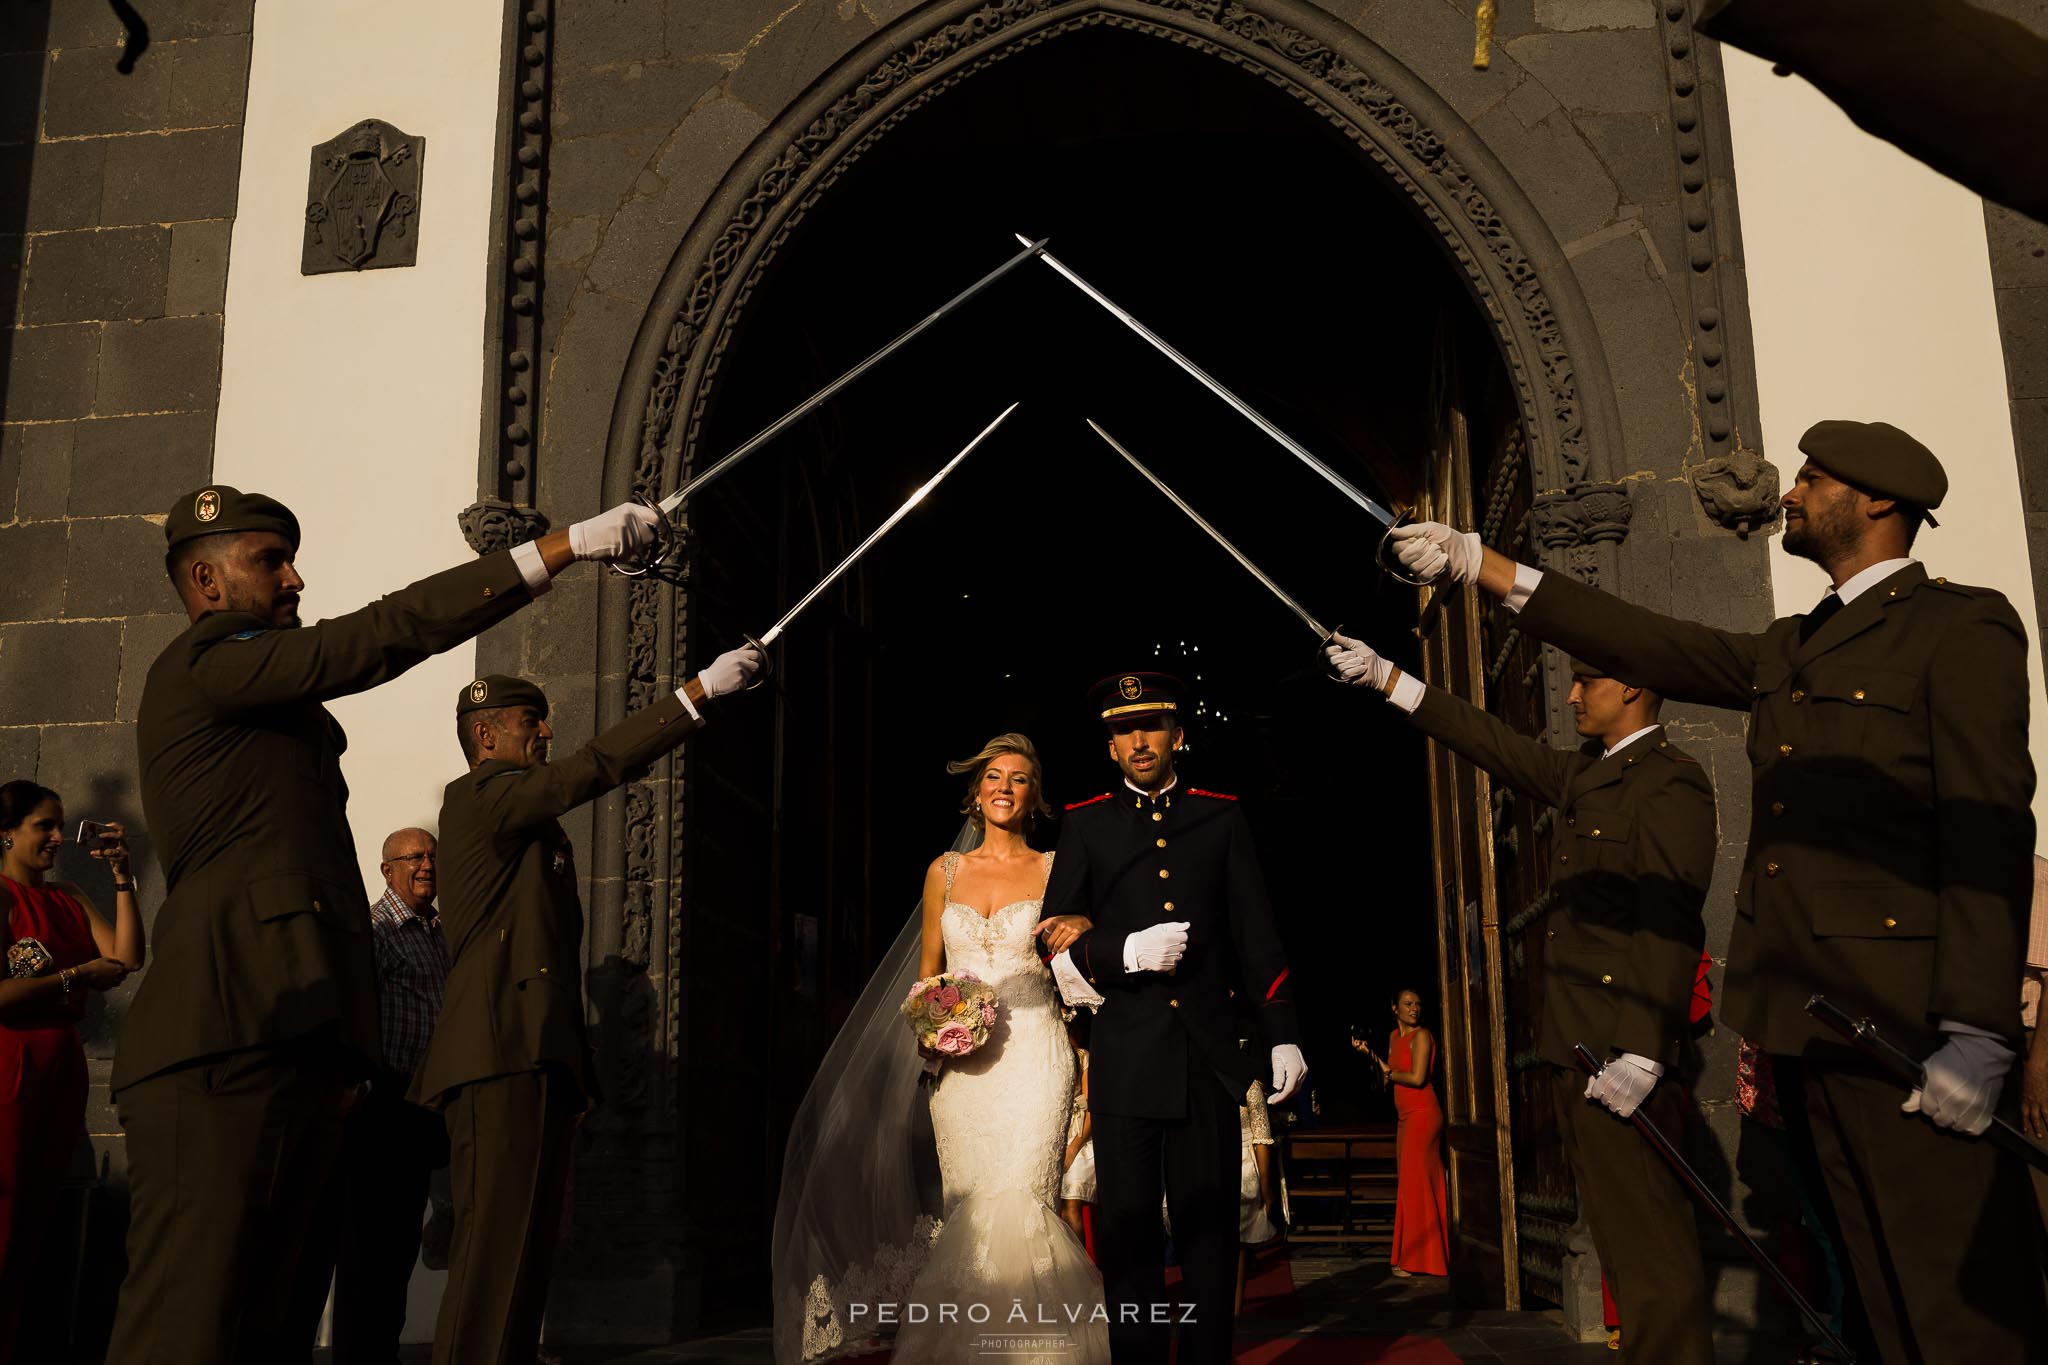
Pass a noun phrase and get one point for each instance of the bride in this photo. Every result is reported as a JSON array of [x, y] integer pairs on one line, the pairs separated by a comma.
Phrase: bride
[[857, 1250]]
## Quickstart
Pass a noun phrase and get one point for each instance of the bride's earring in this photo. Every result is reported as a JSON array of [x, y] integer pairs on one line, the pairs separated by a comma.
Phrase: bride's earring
[[6, 843]]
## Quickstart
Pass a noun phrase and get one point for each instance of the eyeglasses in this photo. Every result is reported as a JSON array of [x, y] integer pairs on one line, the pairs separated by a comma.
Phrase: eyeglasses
[[413, 858]]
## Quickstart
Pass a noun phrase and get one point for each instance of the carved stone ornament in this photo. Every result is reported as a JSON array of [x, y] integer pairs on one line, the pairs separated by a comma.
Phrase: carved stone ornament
[[1739, 491], [1573, 523], [363, 200], [493, 524]]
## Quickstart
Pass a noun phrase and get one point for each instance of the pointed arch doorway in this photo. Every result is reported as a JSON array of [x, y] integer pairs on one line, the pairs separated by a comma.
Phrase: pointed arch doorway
[[1234, 205]]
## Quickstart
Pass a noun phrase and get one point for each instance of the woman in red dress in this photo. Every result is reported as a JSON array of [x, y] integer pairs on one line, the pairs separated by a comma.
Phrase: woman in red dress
[[1421, 1231], [59, 948]]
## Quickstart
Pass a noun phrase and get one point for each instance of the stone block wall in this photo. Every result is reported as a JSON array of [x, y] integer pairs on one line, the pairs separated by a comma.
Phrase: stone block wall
[[117, 193]]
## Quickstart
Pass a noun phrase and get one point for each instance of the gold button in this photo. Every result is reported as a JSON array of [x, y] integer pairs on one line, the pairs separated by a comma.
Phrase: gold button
[[1571, 819], [1169, 905], [1550, 933], [1164, 873], [1770, 869], [1798, 694], [1606, 980], [1891, 592], [1157, 816], [1784, 751], [1777, 807], [1161, 843], [1857, 694], [487, 592], [543, 971], [1564, 857], [1174, 1003], [1941, 580], [316, 905], [1663, 743], [1890, 923], [1596, 834]]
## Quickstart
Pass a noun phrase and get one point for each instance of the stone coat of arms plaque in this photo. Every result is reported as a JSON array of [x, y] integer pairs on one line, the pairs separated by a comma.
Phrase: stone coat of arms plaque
[[363, 200]]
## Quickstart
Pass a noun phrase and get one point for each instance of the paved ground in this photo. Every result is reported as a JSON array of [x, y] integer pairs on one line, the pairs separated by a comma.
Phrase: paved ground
[[1337, 1300]]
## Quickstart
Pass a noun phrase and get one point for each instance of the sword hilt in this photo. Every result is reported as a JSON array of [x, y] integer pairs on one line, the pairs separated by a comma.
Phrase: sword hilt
[[767, 662], [1324, 661], [646, 561], [1392, 566]]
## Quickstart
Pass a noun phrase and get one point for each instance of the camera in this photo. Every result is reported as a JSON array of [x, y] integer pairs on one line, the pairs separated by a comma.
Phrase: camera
[[89, 835], [1358, 1033]]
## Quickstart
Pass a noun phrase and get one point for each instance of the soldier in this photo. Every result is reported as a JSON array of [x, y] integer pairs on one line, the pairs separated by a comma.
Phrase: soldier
[[1888, 867], [254, 1029], [1158, 916], [1630, 865], [510, 1064]]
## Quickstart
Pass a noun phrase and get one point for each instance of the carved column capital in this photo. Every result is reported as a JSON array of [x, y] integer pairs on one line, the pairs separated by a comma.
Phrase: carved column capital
[[1739, 491], [1574, 523], [492, 524]]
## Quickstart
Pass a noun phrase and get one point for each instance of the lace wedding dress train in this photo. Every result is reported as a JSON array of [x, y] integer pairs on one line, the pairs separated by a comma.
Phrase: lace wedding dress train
[[1005, 1276]]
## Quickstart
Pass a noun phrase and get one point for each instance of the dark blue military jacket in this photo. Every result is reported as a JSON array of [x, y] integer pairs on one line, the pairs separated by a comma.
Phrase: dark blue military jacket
[[1127, 861]]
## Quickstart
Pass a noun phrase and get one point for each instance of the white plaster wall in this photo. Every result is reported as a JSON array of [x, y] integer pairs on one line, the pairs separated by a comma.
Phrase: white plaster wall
[[354, 397], [1870, 297]]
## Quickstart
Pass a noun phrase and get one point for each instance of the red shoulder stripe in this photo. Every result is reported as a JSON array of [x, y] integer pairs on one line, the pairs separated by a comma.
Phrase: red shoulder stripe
[[1220, 796], [1274, 989], [1076, 805]]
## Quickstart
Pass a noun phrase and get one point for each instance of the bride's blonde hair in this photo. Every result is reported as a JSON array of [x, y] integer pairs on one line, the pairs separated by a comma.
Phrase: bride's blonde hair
[[1013, 744]]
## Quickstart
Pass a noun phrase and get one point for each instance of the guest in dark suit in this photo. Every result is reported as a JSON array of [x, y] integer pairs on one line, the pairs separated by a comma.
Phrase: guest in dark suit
[[1888, 867], [1630, 863], [256, 1025], [1157, 914], [509, 1064]]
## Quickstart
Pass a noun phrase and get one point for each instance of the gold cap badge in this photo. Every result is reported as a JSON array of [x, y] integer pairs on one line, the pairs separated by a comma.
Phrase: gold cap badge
[[1129, 688], [479, 689], [207, 506]]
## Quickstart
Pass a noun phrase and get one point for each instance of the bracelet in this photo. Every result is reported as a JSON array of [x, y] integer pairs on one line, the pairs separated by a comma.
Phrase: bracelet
[[64, 979], [124, 886]]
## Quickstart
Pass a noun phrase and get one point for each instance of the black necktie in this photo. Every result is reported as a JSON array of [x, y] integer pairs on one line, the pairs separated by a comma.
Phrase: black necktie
[[1819, 616]]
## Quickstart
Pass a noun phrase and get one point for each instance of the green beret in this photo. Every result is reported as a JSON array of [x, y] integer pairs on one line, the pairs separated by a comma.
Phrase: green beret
[[217, 508], [1879, 459], [493, 690]]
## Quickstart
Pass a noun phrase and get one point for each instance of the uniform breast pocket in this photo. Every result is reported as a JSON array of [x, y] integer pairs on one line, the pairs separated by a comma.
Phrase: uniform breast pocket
[[1604, 837], [1589, 966], [1853, 708]]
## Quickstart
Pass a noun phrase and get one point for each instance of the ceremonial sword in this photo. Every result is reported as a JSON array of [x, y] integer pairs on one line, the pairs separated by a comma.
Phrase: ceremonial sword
[[1864, 1036], [1251, 414], [640, 564], [1692, 1181], [1196, 517], [770, 635]]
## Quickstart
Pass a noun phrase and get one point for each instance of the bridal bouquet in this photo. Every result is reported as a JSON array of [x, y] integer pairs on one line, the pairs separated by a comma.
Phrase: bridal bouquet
[[950, 1014]]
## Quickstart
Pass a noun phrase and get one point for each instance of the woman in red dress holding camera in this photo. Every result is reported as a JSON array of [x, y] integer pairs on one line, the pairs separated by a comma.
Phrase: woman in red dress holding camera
[[1421, 1232], [59, 949]]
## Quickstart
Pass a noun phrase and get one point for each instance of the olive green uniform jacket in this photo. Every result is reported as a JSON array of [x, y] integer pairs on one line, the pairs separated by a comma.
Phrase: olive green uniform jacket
[[1891, 836], [1631, 856], [264, 933], [509, 907]]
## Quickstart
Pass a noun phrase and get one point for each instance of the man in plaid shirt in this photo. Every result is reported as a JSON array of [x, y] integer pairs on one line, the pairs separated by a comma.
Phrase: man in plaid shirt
[[392, 1147]]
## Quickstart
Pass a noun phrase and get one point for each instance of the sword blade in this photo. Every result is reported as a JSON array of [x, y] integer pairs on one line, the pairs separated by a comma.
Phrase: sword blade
[[676, 499], [768, 636], [1251, 414], [1196, 517]]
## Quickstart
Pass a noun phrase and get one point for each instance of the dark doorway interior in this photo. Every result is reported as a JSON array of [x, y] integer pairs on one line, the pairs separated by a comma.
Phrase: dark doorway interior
[[1270, 249]]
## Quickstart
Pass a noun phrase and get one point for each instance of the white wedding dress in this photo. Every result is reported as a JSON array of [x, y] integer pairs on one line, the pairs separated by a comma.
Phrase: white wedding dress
[[1005, 1274]]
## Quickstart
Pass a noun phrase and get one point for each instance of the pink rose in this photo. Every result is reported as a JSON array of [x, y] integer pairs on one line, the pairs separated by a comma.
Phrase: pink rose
[[988, 1014], [949, 996], [953, 1040]]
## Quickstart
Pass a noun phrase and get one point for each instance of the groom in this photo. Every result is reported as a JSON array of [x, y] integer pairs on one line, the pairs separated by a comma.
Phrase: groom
[[1157, 915]]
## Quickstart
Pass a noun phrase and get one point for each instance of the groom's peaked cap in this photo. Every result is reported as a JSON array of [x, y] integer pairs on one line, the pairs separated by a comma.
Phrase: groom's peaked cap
[[1137, 694]]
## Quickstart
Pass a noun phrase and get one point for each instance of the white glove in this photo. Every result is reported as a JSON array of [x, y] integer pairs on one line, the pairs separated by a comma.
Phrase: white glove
[[1354, 662], [1156, 948], [626, 529], [731, 671], [1622, 1084], [1429, 549], [1289, 1070], [1964, 1077]]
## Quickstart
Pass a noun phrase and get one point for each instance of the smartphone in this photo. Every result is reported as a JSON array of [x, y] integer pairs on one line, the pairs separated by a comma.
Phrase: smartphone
[[1358, 1033], [88, 835]]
